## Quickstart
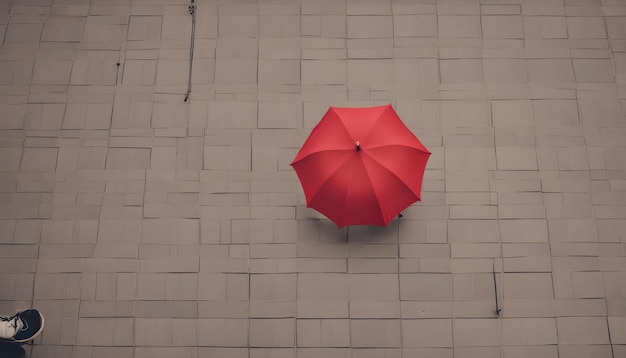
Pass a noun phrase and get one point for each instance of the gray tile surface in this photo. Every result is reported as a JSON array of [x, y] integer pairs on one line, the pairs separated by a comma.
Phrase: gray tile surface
[[145, 226]]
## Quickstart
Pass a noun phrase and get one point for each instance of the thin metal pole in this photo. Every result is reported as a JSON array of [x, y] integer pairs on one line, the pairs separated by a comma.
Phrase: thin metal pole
[[192, 11], [495, 287]]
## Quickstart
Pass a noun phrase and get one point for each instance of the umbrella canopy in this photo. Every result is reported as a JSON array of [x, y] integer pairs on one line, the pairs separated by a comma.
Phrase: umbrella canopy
[[361, 166]]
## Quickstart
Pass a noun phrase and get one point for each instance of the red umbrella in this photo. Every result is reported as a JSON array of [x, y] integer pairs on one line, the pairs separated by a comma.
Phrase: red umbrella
[[361, 166]]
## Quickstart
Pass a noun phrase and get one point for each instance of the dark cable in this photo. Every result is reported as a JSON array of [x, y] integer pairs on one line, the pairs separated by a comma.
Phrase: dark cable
[[495, 288], [192, 12]]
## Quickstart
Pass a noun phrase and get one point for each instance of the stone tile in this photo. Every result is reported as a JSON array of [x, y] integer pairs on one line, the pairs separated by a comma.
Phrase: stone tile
[[175, 72], [372, 309], [582, 330], [517, 113], [585, 350], [39, 159], [140, 72], [277, 72], [273, 287], [524, 230], [505, 70], [101, 32], [409, 25], [327, 72], [230, 25], [555, 113], [35, 119], [279, 115], [593, 70], [235, 71], [516, 158], [373, 287], [272, 332], [370, 71], [93, 72], [53, 72], [461, 70], [376, 352], [219, 332], [164, 332], [463, 113], [104, 331], [367, 7], [507, 27], [516, 286], [87, 116], [586, 27], [550, 71], [370, 26], [62, 32], [323, 333], [529, 331], [616, 27], [326, 352], [145, 28], [375, 333], [545, 27], [23, 33], [128, 158], [459, 25], [476, 332], [279, 25], [427, 333], [425, 287], [431, 352], [323, 286]]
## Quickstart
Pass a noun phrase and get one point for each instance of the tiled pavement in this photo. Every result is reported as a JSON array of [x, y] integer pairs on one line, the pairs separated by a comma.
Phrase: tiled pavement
[[145, 226]]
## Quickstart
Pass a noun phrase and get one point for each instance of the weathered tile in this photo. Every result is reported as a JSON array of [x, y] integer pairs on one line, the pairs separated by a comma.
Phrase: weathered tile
[[415, 25], [323, 333], [425, 287], [221, 332], [23, 33], [104, 331], [582, 330], [375, 333], [459, 25], [461, 70], [545, 27], [501, 26], [272, 332], [427, 333]]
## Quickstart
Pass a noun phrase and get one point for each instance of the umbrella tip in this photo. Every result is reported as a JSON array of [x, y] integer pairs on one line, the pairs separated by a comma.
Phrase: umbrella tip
[[358, 145]]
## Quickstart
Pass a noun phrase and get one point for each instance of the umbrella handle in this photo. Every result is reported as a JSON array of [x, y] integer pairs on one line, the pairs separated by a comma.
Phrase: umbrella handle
[[358, 145]]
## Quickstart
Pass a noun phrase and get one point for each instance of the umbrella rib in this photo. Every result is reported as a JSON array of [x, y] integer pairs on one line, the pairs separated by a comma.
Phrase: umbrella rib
[[415, 196], [421, 150], [380, 210], [380, 117], [393, 172], [343, 125], [325, 182], [322, 151]]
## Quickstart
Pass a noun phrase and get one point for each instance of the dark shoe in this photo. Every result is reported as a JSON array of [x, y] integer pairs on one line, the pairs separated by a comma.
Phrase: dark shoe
[[22, 327]]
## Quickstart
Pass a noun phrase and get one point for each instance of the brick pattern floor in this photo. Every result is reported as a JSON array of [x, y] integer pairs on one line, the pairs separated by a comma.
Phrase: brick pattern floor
[[145, 226]]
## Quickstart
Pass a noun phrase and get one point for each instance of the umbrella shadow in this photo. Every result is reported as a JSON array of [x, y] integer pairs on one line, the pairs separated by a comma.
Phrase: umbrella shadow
[[324, 230], [372, 234]]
